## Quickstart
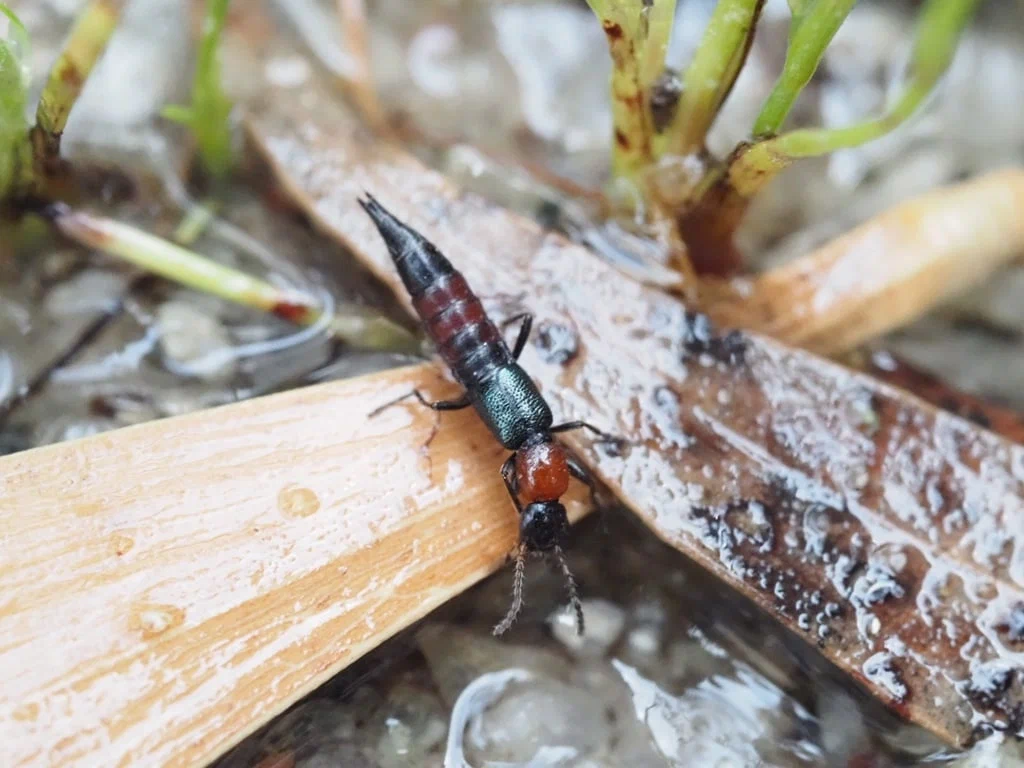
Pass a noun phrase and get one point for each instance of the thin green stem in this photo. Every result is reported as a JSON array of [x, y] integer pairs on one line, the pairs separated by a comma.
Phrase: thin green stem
[[196, 220], [710, 76], [173, 262], [88, 40], [814, 24], [656, 22], [939, 28], [209, 115]]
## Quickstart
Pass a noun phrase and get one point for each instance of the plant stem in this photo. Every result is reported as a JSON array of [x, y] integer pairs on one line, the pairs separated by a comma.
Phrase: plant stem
[[812, 28], [710, 76], [631, 148], [164, 258], [355, 35], [86, 44], [940, 26], [197, 218], [656, 22]]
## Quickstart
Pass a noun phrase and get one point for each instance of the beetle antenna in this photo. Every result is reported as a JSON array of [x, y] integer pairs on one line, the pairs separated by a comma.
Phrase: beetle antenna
[[570, 583], [517, 593]]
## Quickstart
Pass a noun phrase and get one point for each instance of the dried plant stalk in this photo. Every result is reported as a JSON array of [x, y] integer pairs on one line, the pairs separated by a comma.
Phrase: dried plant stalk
[[889, 270]]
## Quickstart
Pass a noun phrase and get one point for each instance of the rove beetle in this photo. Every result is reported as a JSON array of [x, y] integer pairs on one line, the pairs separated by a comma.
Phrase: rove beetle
[[537, 473]]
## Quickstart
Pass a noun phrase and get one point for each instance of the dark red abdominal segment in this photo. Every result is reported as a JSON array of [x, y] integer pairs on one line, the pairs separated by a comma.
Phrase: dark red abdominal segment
[[450, 313]]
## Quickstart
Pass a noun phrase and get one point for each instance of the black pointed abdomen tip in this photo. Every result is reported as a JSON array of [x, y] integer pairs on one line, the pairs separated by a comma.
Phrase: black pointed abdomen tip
[[418, 262], [373, 208], [396, 234]]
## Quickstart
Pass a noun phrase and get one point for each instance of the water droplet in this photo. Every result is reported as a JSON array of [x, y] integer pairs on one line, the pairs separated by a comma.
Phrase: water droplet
[[881, 670], [152, 619], [296, 501], [120, 544]]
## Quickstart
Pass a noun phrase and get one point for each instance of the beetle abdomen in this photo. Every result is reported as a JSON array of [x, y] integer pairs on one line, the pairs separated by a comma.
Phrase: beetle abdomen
[[465, 338]]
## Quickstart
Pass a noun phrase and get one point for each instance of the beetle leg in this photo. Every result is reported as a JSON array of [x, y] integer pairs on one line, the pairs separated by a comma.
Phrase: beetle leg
[[439, 405], [524, 332], [569, 426], [508, 474], [577, 470]]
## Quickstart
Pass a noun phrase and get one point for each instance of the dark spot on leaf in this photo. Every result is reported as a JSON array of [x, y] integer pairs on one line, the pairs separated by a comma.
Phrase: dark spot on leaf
[[557, 343], [881, 670], [988, 683], [291, 311], [613, 30], [700, 338], [71, 76], [979, 417], [664, 99], [1013, 625]]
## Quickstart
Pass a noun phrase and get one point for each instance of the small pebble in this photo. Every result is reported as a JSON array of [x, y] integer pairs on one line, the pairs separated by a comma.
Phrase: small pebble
[[644, 640], [87, 293], [193, 342], [537, 714], [604, 623]]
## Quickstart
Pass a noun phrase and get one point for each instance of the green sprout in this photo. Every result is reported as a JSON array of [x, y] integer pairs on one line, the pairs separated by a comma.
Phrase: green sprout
[[29, 155], [15, 150], [209, 115], [939, 28], [638, 34], [85, 45], [712, 72], [814, 24]]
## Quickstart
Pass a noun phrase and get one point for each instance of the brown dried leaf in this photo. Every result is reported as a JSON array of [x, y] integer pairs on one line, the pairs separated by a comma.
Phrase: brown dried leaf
[[880, 529]]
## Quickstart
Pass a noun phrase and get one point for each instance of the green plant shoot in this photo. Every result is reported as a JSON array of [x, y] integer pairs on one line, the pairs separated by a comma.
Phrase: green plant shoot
[[939, 27], [15, 150], [814, 24], [85, 45], [209, 115]]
